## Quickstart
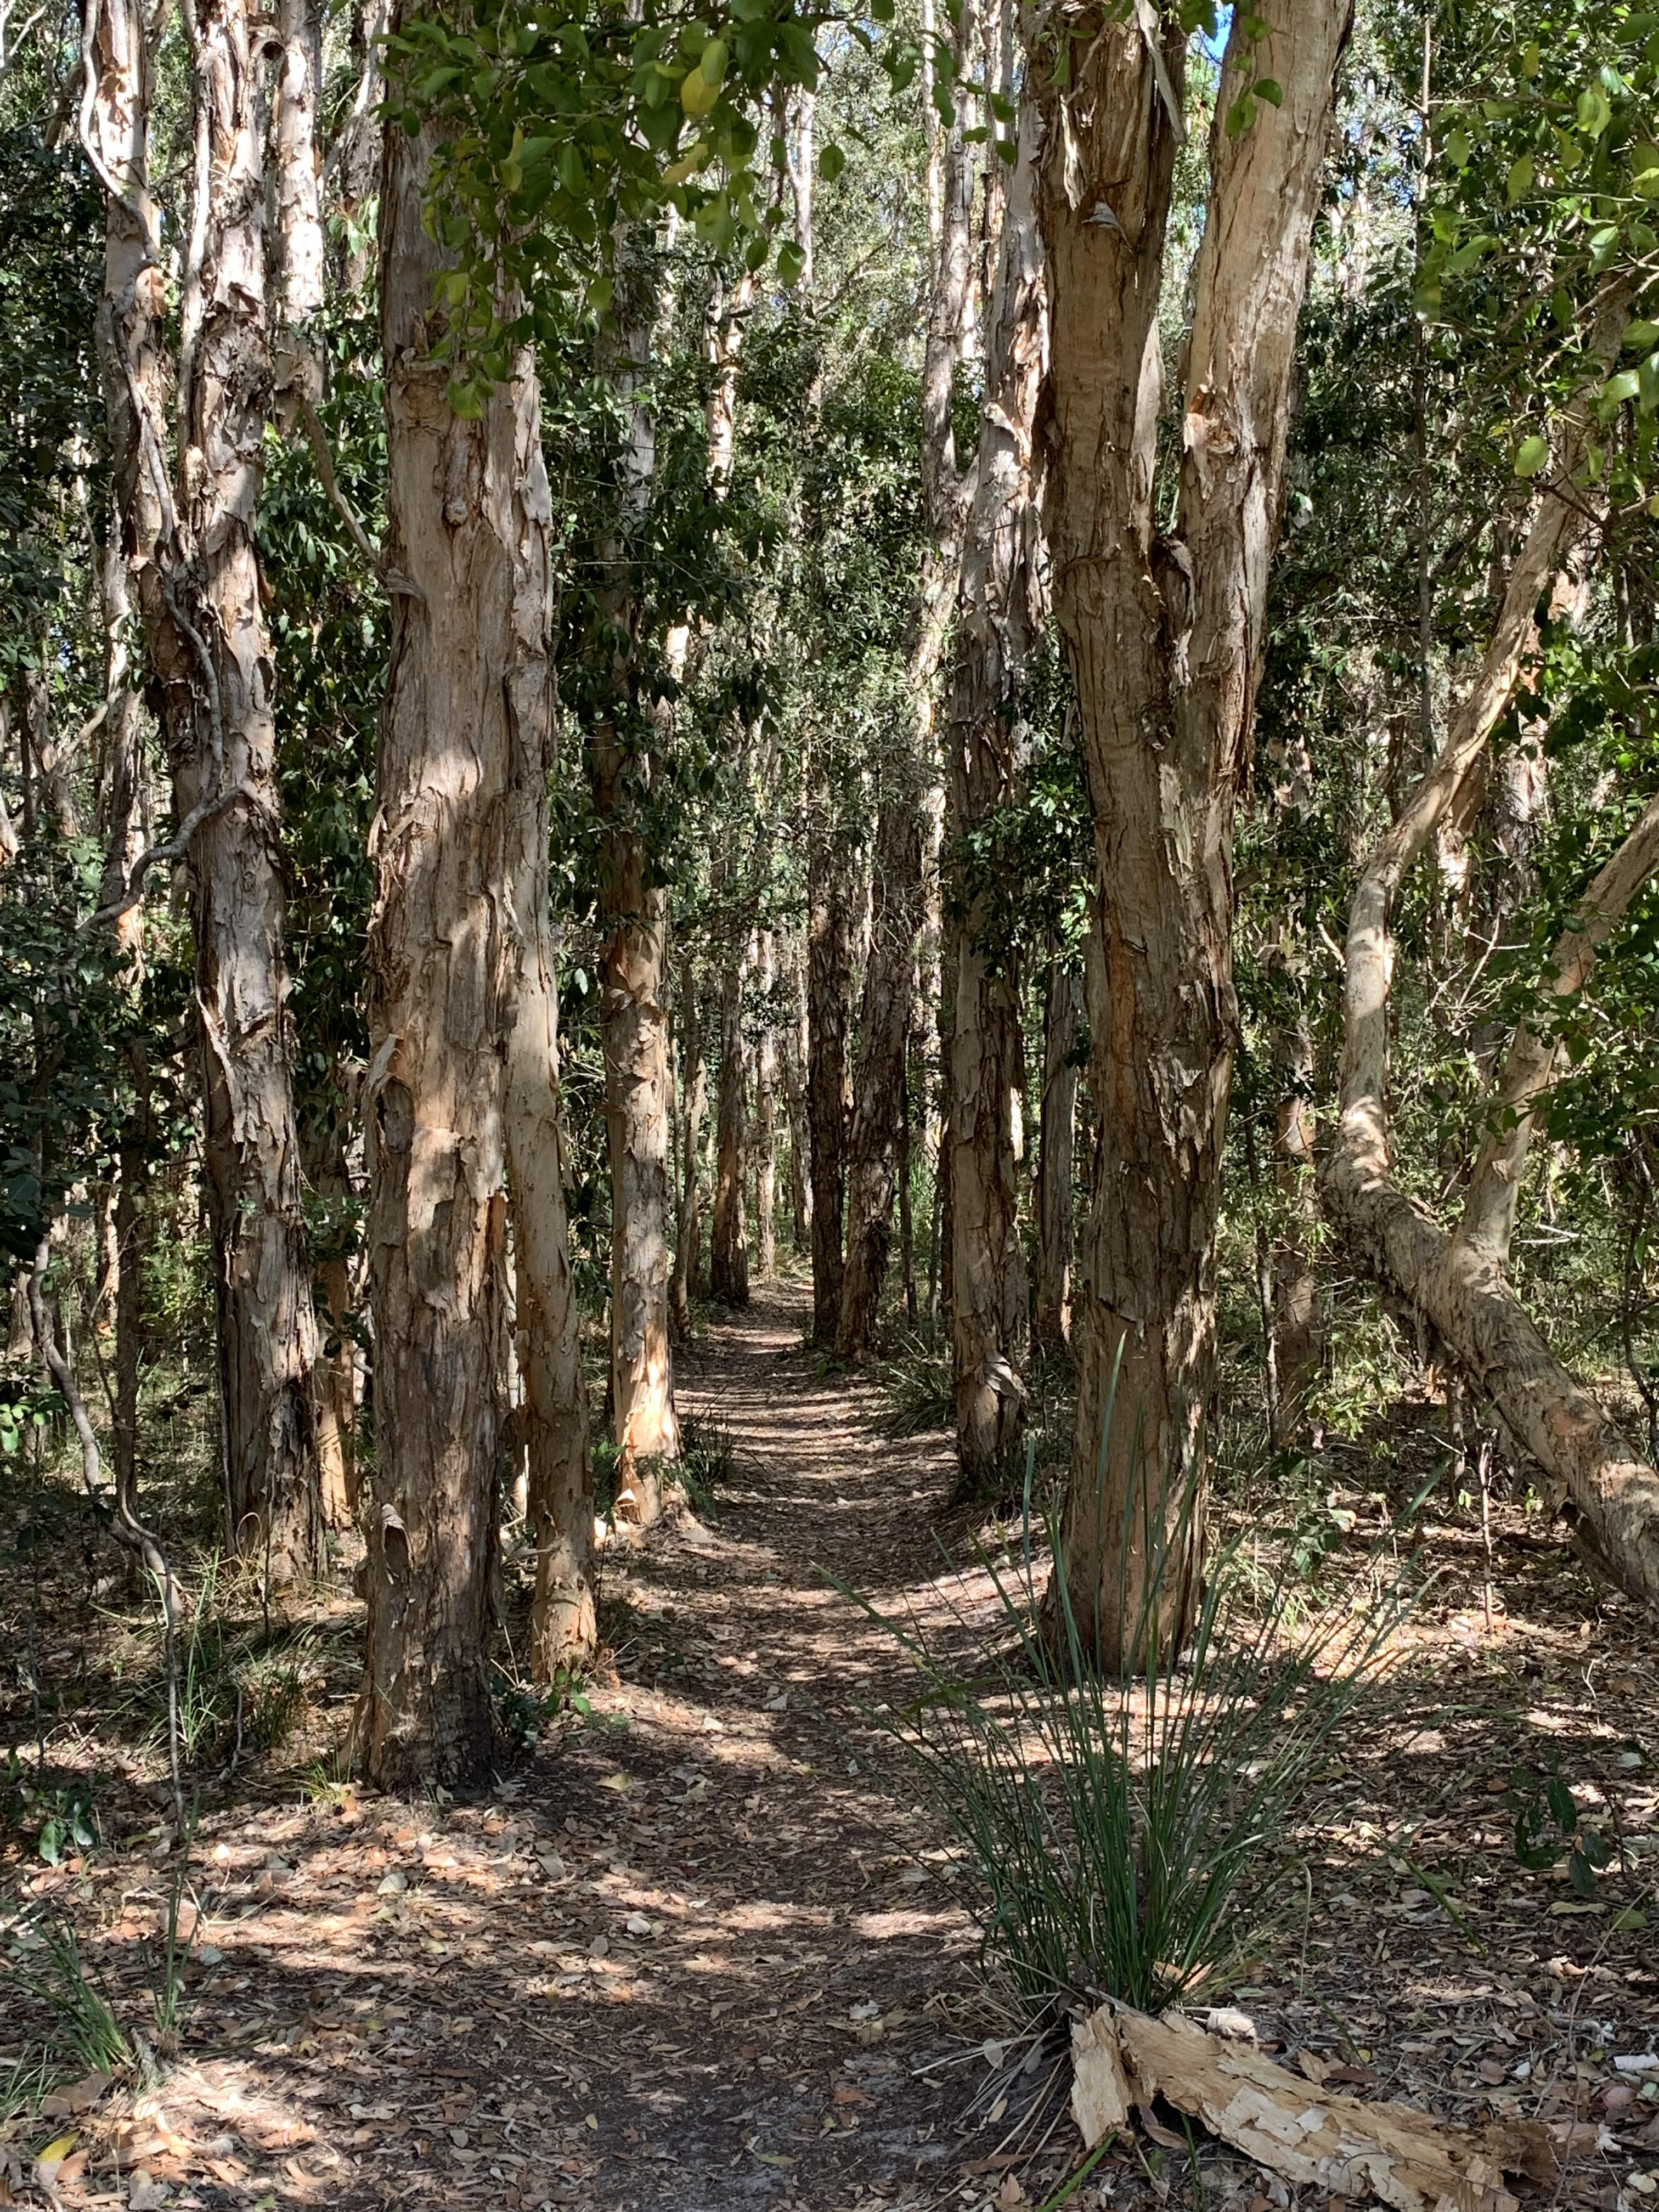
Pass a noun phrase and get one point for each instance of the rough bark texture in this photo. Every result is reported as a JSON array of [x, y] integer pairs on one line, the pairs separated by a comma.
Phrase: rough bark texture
[[193, 562], [793, 1044], [461, 1032], [1056, 1230], [1164, 636], [634, 1026], [998, 614], [828, 993], [728, 1277], [688, 1236], [884, 1012], [766, 1117]]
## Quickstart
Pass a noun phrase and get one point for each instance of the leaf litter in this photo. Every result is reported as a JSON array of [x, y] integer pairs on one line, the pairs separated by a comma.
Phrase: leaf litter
[[685, 1957]]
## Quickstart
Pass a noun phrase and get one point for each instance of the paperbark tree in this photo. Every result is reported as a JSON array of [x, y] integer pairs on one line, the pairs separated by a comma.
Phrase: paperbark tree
[[766, 1116], [1457, 1282], [1055, 1227], [687, 1236], [872, 1141], [728, 1273], [829, 995], [998, 614], [462, 1077], [191, 555], [1163, 633]]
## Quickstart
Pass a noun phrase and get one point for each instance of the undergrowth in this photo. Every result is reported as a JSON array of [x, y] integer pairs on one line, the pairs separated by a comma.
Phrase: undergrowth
[[1129, 1838]]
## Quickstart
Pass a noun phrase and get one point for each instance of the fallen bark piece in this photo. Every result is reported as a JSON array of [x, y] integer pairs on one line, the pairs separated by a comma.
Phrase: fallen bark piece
[[1100, 2094], [1342, 2144]]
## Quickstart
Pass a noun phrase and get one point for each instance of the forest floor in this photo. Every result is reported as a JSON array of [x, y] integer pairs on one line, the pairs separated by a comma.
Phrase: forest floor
[[692, 1955]]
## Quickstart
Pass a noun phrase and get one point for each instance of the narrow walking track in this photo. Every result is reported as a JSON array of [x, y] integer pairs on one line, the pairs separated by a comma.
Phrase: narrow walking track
[[684, 1957]]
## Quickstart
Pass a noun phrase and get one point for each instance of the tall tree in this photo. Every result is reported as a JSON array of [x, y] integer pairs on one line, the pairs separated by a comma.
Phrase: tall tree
[[193, 550], [1162, 631], [873, 1134], [462, 1075], [998, 612]]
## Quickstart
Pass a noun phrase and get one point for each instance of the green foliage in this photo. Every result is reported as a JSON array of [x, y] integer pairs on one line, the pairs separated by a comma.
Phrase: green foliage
[[1549, 1828], [66, 1814], [43, 1961], [1128, 1839], [706, 1461]]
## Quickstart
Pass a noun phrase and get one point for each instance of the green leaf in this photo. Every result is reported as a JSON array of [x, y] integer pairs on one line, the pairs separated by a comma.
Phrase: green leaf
[[1518, 183], [1458, 148], [791, 262], [1268, 88], [831, 162], [1532, 455], [1240, 116], [1621, 387], [1595, 113], [1563, 1811], [1640, 336]]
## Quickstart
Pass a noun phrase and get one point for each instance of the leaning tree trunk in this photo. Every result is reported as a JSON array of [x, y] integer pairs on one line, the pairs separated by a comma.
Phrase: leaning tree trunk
[[1457, 1283], [998, 611], [1050, 1305], [1163, 635], [461, 1034], [729, 1258], [872, 1141]]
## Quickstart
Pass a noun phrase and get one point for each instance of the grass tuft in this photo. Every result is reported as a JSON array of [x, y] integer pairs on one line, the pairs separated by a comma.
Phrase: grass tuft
[[1131, 1838]]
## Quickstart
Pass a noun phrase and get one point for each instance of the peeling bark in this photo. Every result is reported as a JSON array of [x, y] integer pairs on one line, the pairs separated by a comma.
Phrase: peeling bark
[[462, 1074], [1164, 636], [999, 612], [1056, 1231]]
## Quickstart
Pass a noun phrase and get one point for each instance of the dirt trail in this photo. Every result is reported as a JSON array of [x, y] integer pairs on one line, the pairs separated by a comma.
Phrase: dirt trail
[[683, 1958]]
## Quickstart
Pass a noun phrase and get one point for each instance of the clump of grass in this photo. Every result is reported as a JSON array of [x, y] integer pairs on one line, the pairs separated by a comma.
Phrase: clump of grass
[[45, 1965], [1129, 1838], [917, 1377], [706, 1461]]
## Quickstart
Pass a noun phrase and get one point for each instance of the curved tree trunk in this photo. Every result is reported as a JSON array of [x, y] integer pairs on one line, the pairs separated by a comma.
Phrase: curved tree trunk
[[1056, 1168], [998, 612], [460, 1024], [1457, 1282], [1163, 638], [728, 1278]]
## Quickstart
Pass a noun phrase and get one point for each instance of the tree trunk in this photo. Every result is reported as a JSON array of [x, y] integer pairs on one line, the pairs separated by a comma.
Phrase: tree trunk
[[1298, 1342], [635, 1031], [729, 1267], [792, 1061], [1457, 1283], [689, 1228], [1056, 1172], [884, 1015], [829, 994], [461, 1028], [337, 1367], [1164, 637], [998, 613], [765, 1119]]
